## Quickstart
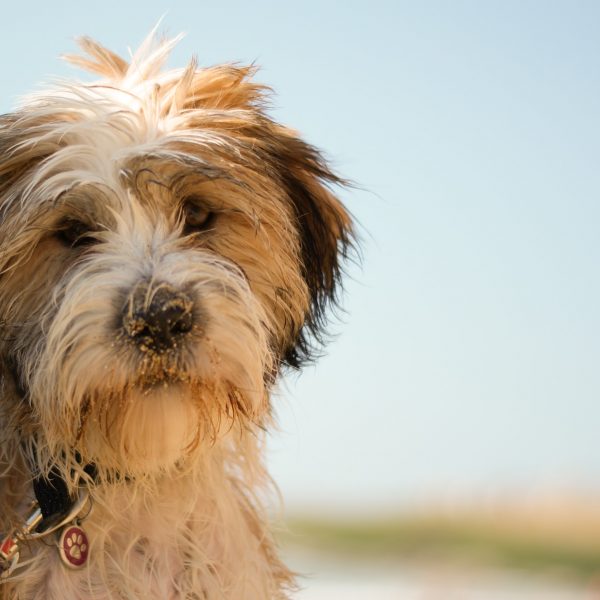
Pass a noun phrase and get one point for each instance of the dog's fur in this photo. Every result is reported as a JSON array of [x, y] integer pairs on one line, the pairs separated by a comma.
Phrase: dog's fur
[[111, 194]]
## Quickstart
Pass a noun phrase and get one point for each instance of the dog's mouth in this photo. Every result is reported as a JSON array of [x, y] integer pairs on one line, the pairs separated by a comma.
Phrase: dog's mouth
[[155, 371], [164, 374]]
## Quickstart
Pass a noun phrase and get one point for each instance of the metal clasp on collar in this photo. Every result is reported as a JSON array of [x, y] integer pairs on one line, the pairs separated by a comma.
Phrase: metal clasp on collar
[[9, 548]]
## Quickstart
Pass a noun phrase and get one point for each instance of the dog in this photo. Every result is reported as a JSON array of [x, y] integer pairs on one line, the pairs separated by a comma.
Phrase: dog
[[166, 250]]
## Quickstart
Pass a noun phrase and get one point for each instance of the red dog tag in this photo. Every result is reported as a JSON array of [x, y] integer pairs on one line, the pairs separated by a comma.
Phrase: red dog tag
[[73, 547]]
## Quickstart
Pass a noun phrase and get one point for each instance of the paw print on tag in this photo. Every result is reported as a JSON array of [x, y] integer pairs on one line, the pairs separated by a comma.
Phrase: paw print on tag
[[73, 547]]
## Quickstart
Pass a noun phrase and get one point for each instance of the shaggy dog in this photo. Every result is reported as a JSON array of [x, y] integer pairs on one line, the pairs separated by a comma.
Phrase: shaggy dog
[[166, 249]]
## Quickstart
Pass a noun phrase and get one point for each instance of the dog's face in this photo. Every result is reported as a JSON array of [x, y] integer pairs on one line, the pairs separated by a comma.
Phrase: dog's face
[[165, 248]]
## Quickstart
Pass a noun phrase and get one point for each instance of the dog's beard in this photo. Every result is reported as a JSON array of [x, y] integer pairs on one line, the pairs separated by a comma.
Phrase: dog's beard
[[140, 413], [141, 431]]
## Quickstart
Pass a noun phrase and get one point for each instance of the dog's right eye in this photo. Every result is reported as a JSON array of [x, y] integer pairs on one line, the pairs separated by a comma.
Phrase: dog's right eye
[[76, 234], [197, 217]]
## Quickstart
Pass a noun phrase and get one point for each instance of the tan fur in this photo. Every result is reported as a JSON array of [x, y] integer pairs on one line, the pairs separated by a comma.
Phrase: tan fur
[[176, 436]]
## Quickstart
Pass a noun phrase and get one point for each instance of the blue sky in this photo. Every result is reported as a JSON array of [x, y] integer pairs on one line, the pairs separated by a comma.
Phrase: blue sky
[[466, 362]]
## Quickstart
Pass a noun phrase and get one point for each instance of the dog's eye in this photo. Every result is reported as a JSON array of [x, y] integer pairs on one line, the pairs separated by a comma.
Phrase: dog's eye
[[75, 233], [197, 217]]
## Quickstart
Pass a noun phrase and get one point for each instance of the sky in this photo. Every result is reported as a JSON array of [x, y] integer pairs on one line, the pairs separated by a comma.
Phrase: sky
[[465, 362]]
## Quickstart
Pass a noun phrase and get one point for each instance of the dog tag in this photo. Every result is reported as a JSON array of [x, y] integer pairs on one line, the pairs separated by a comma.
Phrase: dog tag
[[73, 546]]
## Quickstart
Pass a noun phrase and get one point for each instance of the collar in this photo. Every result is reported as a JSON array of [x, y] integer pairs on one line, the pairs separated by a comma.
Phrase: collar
[[52, 494]]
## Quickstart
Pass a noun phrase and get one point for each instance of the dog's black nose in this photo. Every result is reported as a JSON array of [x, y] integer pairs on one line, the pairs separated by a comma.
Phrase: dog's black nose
[[157, 316]]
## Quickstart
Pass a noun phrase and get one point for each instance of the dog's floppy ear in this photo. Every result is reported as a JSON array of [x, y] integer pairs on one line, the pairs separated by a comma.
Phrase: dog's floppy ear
[[22, 148], [325, 230], [12, 166]]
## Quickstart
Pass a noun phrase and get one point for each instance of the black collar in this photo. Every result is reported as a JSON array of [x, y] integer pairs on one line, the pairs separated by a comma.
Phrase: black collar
[[52, 493]]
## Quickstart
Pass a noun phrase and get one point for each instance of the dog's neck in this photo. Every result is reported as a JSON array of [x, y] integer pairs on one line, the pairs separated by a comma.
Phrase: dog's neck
[[142, 537]]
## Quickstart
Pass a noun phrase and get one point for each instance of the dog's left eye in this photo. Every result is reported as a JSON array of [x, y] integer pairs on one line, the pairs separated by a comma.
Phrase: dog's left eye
[[197, 217], [75, 233]]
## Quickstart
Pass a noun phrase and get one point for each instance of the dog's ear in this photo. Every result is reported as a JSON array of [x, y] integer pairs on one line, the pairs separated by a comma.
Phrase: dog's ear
[[11, 166], [325, 230], [22, 147], [12, 163]]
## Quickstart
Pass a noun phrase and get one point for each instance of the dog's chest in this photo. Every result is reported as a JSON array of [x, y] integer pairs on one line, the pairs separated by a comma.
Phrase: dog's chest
[[170, 546], [129, 556]]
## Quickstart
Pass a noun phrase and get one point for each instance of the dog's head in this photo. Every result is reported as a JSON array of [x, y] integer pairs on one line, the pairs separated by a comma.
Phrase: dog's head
[[165, 248]]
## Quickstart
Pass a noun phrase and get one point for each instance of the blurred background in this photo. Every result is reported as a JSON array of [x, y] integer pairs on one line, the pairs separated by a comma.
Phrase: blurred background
[[446, 447]]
